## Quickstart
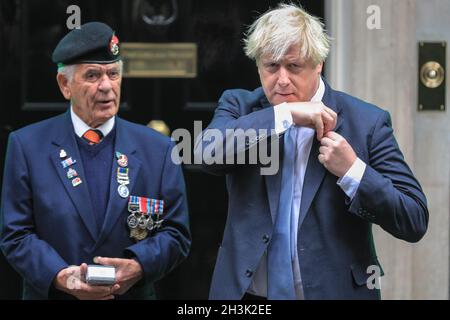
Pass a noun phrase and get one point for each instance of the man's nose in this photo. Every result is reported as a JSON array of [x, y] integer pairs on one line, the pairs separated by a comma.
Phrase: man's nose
[[105, 84], [283, 77]]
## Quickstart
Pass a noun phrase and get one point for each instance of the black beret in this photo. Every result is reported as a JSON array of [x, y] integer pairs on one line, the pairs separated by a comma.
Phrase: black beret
[[94, 42]]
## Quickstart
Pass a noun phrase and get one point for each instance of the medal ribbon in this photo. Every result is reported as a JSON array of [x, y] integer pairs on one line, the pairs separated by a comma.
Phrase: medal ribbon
[[146, 205]]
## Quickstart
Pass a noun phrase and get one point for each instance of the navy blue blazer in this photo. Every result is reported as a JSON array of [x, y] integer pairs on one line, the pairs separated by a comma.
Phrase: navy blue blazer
[[47, 224], [335, 245]]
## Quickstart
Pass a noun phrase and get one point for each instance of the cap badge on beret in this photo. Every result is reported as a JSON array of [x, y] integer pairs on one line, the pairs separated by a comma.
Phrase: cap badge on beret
[[114, 45]]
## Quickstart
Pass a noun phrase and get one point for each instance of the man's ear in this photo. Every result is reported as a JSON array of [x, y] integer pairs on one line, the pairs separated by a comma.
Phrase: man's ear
[[319, 68], [63, 84]]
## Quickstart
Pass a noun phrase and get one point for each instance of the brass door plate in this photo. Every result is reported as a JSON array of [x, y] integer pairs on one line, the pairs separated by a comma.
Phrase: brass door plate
[[431, 77], [159, 60]]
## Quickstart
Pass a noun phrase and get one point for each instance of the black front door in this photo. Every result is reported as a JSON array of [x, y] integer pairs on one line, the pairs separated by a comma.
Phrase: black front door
[[29, 30]]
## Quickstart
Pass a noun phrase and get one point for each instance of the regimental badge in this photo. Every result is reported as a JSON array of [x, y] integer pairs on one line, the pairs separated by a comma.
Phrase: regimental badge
[[114, 45]]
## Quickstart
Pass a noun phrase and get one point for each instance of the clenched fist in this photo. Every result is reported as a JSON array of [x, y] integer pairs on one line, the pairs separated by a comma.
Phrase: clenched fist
[[336, 154]]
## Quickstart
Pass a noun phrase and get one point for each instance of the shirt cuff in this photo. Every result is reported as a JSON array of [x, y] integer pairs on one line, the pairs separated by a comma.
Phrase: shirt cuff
[[283, 117], [349, 183]]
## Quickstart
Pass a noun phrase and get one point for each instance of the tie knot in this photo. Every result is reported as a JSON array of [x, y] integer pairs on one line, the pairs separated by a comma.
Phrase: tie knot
[[93, 136]]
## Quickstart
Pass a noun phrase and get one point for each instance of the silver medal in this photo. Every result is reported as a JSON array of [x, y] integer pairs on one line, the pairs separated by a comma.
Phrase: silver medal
[[150, 224], [142, 222], [123, 191], [132, 221]]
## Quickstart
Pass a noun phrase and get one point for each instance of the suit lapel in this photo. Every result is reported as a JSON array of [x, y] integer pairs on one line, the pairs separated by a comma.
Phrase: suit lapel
[[65, 139], [315, 171], [116, 204], [273, 182], [273, 185]]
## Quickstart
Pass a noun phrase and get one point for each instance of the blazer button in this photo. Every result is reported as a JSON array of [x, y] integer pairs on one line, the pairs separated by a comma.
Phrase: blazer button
[[248, 273], [265, 238]]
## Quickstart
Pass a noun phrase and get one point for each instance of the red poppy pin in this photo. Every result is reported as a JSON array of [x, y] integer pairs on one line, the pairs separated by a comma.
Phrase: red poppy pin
[[114, 45]]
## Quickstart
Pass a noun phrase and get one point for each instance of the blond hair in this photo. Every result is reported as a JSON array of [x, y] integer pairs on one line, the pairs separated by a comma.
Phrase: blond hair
[[277, 30]]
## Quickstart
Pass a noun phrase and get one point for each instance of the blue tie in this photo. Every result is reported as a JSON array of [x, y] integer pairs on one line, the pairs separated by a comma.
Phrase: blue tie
[[280, 281]]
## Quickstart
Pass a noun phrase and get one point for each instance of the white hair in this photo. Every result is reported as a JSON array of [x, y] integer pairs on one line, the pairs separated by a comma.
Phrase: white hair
[[69, 70], [277, 30]]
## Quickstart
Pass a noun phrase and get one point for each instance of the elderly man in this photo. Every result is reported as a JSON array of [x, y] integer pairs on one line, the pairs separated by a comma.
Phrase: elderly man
[[88, 187], [305, 232]]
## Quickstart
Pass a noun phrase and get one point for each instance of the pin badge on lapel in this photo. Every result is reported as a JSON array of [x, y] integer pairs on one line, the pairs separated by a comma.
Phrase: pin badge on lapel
[[77, 181], [68, 162], [71, 173], [62, 154], [122, 159]]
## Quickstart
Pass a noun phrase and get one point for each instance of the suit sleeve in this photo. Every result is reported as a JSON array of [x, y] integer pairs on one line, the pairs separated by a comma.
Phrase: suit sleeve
[[389, 195], [34, 259], [169, 245], [232, 135]]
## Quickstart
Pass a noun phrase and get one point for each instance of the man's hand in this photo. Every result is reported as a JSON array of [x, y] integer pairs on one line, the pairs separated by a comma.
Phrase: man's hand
[[128, 271], [71, 281], [336, 154], [313, 115]]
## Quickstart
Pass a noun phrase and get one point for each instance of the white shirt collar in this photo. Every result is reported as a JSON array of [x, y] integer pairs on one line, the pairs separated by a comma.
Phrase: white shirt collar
[[320, 91], [81, 127]]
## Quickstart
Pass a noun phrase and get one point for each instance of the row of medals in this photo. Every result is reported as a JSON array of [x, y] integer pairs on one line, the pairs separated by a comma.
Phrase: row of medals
[[141, 224]]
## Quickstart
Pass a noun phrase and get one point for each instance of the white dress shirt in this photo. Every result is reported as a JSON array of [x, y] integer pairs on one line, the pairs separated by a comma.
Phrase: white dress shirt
[[349, 183], [81, 127]]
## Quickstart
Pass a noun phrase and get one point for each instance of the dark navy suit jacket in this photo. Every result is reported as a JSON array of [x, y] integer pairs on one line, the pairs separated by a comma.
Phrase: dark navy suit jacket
[[47, 224], [335, 245]]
